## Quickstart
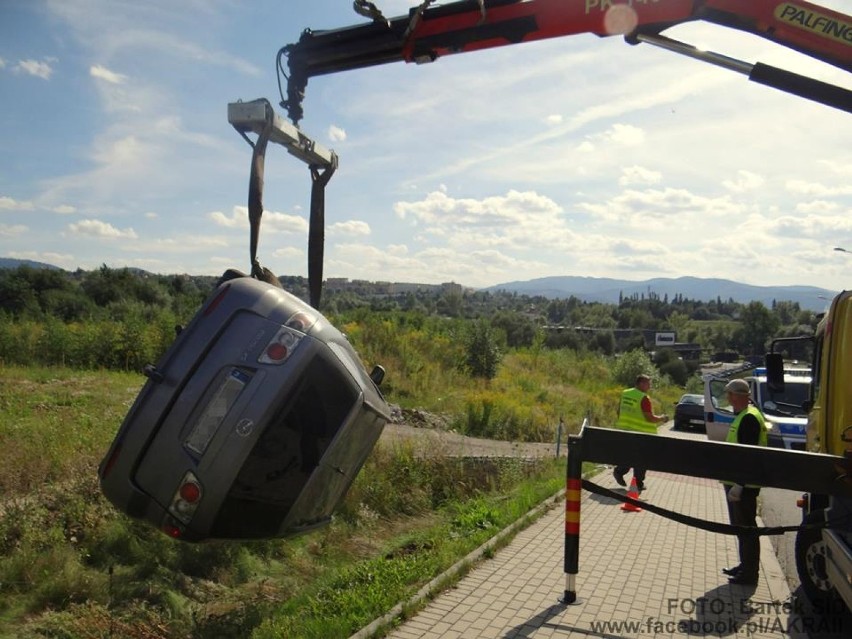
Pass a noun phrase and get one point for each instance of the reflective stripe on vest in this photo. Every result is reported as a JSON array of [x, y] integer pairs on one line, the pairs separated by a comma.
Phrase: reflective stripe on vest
[[733, 433], [630, 415]]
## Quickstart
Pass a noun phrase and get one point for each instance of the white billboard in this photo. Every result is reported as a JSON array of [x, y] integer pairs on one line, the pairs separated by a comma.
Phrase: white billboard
[[664, 338]]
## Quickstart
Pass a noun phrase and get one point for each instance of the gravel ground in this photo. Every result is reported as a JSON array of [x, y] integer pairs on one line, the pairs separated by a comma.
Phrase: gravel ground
[[429, 433]]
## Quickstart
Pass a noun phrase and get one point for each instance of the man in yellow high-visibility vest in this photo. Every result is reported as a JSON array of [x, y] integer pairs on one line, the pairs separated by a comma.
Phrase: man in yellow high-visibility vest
[[748, 427], [636, 413]]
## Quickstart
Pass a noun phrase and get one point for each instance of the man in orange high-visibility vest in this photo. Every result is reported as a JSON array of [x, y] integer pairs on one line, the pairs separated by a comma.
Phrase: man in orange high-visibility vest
[[636, 413]]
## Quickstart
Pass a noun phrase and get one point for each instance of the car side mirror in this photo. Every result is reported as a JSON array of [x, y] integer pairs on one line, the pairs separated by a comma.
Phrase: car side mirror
[[377, 375]]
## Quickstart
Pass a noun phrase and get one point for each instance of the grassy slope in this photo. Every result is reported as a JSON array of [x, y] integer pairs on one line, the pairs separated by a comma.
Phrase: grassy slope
[[70, 566]]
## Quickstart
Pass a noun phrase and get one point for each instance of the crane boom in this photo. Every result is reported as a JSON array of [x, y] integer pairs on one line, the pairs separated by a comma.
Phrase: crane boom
[[430, 32]]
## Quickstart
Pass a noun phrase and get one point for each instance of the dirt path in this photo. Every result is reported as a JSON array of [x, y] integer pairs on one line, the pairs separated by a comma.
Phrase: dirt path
[[441, 442]]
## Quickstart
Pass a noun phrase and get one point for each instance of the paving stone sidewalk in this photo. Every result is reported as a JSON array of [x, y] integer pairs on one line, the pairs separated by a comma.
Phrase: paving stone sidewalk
[[641, 575]]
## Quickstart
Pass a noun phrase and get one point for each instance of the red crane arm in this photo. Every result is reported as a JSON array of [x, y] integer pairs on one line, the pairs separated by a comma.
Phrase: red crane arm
[[430, 32]]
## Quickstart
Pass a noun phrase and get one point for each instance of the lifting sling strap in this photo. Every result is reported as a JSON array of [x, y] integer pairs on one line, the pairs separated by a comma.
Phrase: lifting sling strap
[[322, 164]]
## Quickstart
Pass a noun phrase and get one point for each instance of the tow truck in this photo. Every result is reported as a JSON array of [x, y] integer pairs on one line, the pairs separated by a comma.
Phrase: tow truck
[[824, 557], [430, 31]]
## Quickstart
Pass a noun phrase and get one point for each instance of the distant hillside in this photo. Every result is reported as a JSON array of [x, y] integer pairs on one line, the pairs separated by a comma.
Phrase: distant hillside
[[602, 289], [8, 262]]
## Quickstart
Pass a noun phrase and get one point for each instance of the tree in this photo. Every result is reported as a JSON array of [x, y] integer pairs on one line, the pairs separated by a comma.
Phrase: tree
[[758, 326], [482, 355], [603, 341], [786, 312], [519, 330]]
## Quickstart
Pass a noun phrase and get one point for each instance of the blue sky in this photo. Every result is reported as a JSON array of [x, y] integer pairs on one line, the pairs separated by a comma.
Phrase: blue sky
[[575, 156]]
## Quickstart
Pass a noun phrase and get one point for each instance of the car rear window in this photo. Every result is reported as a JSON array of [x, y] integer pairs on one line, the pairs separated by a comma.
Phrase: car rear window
[[286, 454]]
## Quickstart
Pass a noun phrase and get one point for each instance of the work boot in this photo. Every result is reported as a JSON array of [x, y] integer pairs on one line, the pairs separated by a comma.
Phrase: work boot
[[619, 479], [742, 579], [733, 572], [640, 485]]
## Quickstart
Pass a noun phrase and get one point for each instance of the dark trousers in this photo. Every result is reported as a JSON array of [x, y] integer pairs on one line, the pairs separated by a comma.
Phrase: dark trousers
[[638, 473], [744, 513]]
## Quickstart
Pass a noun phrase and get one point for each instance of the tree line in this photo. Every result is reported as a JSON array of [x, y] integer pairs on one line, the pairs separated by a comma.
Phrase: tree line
[[123, 318]]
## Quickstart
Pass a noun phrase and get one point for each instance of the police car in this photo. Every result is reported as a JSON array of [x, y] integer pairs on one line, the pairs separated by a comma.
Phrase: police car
[[786, 418]]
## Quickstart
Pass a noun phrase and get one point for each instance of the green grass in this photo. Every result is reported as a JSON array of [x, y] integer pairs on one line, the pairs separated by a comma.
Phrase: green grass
[[56, 423], [72, 566], [344, 600]]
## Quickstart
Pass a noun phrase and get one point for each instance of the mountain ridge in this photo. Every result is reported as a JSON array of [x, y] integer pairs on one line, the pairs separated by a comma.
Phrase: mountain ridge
[[607, 290]]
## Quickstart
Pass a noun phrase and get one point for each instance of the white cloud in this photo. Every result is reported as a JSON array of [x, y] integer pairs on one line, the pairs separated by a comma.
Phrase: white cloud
[[553, 119], [816, 189], [64, 209], [336, 134], [11, 204], [126, 151], [495, 258], [351, 227], [626, 247], [270, 221], [237, 220], [13, 230], [745, 181], [659, 207], [151, 215], [102, 73], [431, 265], [288, 252], [283, 223], [817, 206], [2, 63], [517, 221], [638, 175], [35, 68], [838, 166], [97, 228], [624, 134], [496, 211], [397, 249], [177, 244], [822, 227]]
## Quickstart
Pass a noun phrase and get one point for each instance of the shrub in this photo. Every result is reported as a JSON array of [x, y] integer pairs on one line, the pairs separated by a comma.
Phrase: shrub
[[628, 366]]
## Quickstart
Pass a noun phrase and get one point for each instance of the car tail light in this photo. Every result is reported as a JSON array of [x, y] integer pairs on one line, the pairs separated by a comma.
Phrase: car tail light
[[186, 499], [190, 492], [281, 346], [301, 321], [107, 467], [216, 300]]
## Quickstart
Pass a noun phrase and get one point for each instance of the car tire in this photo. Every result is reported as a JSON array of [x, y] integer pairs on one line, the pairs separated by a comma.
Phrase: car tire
[[677, 425]]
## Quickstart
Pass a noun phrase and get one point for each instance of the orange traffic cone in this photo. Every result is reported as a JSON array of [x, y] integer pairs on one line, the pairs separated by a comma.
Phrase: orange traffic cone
[[633, 493]]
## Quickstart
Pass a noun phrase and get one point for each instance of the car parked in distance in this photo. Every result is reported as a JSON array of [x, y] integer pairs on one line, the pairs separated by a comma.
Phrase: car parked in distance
[[689, 413]]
